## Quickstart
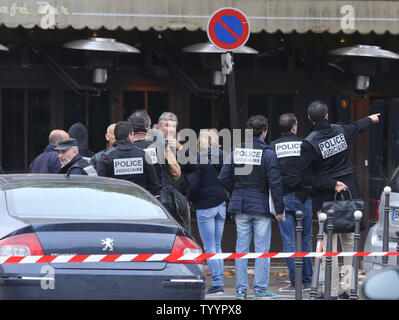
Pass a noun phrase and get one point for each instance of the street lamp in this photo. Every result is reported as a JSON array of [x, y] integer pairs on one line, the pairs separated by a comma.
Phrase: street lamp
[[363, 62], [224, 68], [100, 54]]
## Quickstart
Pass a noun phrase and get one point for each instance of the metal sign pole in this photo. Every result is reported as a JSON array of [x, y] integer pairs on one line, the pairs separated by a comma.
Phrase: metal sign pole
[[320, 237], [298, 261], [355, 260], [328, 272], [228, 70], [385, 235]]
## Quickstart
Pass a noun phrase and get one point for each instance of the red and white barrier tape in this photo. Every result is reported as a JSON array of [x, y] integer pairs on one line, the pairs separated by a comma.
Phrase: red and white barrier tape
[[181, 257]]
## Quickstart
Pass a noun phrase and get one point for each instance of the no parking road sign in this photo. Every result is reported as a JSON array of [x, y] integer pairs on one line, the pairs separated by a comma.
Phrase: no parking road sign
[[228, 29]]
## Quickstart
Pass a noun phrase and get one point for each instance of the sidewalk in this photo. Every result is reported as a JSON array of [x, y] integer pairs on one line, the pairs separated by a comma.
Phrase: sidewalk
[[278, 279]]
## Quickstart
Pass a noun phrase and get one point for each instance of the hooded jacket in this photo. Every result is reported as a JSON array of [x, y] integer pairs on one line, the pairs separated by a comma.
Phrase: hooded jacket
[[79, 132]]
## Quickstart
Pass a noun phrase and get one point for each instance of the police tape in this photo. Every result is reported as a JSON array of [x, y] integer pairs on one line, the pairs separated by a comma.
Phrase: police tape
[[78, 258]]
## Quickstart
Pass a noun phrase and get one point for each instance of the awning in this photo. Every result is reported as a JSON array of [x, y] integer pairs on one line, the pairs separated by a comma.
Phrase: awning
[[270, 16]]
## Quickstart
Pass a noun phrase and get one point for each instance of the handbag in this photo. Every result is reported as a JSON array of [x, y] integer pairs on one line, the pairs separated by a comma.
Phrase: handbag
[[175, 203], [344, 221]]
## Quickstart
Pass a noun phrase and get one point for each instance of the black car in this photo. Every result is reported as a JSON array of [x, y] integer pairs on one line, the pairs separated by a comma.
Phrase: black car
[[82, 215]]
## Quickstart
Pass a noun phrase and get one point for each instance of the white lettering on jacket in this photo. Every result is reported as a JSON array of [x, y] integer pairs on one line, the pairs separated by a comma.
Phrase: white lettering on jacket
[[152, 154], [90, 171], [333, 146], [128, 166], [288, 149], [247, 156]]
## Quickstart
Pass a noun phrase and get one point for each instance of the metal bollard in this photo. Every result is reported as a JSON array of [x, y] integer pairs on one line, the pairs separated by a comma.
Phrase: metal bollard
[[397, 248], [355, 261], [328, 272], [316, 271], [385, 235], [298, 261]]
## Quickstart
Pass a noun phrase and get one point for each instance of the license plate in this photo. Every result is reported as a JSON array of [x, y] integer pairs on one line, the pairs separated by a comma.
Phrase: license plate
[[395, 214]]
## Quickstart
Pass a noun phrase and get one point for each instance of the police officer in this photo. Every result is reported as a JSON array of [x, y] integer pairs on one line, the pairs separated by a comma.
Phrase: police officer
[[127, 162], [110, 138], [325, 165], [252, 171], [71, 161], [296, 196], [141, 124]]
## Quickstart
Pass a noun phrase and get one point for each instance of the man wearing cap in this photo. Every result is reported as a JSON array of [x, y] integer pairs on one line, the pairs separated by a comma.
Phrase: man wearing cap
[[71, 161]]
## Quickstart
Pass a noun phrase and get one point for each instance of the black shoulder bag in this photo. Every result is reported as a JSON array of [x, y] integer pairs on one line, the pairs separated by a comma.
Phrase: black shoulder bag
[[344, 220]]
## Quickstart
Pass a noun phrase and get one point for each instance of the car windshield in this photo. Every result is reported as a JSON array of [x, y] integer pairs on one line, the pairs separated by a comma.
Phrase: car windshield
[[394, 183], [81, 202]]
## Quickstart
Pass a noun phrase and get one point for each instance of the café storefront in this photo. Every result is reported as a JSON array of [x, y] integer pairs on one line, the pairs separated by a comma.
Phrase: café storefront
[[44, 85]]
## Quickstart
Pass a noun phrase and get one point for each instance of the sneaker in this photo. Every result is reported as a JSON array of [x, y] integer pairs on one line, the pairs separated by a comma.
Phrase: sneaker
[[215, 290], [287, 288], [343, 296], [306, 287], [264, 294], [241, 295]]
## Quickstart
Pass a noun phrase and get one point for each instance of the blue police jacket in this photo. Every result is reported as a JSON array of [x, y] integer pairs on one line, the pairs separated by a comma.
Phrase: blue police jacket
[[255, 201]]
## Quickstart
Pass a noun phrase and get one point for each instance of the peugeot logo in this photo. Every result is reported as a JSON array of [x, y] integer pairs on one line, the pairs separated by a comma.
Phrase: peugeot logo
[[109, 244]]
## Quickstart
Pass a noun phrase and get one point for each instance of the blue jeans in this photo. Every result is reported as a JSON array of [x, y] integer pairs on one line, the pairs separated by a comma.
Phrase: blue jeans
[[260, 228], [211, 224], [287, 230]]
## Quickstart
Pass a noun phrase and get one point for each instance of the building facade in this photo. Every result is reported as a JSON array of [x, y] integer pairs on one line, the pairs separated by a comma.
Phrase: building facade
[[292, 69]]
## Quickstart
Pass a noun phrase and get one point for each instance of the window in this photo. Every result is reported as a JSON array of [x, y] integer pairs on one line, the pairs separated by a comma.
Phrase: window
[[92, 111], [200, 113], [38, 122], [26, 127], [384, 146], [271, 106], [13, 130], [90, 202], [154, 102]]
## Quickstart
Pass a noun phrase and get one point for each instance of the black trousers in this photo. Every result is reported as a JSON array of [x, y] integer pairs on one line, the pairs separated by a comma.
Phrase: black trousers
[[319, 196]]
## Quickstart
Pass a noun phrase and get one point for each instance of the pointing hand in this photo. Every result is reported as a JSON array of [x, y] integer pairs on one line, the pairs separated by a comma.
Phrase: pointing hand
[[374, 117]]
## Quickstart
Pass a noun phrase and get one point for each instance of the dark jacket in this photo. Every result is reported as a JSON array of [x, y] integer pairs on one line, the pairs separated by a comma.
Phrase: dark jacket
[[156, 159], [46, 162], [205, 190], [78, 165], [288, 151], [79, 132], [94, 159], [1, 170], [254, 201], [113, 164], [313, 165]]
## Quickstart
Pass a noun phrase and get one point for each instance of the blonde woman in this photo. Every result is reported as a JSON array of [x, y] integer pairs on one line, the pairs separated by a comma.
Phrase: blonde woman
[[208, 197]]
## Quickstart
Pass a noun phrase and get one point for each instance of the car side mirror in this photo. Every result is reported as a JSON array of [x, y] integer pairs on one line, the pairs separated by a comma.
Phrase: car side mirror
[[382, 285]]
